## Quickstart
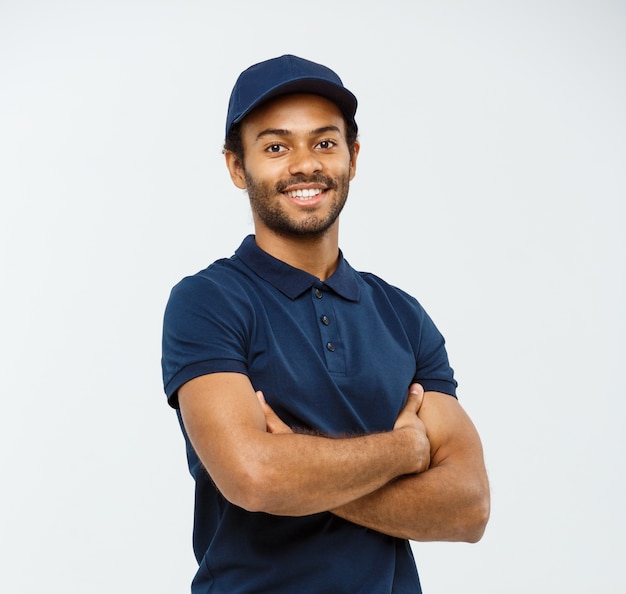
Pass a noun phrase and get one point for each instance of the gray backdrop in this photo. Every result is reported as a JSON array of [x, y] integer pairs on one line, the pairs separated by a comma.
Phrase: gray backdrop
[[491, 185]]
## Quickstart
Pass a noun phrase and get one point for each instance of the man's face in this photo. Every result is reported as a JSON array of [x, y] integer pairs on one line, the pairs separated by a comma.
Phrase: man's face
[[297, 165]]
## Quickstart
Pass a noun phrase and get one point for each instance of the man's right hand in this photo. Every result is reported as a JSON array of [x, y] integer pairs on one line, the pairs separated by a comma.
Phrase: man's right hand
[[409, 421]]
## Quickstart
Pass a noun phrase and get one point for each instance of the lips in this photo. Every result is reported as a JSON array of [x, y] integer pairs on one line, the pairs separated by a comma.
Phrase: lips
[[304, 194], [305, 188]]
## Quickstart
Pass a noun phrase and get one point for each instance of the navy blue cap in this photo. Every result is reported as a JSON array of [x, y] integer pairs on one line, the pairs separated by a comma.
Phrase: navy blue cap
[[283, 75]]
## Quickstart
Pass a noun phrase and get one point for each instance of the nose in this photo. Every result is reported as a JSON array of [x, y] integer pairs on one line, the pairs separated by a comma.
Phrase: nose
[[304, 161]]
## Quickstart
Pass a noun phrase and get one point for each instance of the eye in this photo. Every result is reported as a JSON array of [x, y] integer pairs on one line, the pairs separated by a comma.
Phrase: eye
[[326, 144], [275, 148]]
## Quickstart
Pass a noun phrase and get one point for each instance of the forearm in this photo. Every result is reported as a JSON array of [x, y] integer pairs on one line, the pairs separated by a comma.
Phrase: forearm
[[259, 464], [450, 500], [292, 474], [442, 504]]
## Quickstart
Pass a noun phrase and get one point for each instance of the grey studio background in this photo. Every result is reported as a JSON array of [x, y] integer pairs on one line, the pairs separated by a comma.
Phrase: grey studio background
[[491, 185]]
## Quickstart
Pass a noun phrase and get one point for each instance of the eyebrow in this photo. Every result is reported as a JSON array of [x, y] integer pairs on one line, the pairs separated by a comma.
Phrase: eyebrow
[[281, 132]]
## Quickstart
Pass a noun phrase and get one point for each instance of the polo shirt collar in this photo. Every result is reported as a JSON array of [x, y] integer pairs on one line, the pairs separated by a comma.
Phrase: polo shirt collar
[[293, 281]]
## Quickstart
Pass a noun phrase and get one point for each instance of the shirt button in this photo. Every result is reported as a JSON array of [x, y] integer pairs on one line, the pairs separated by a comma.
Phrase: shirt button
[[330, 346], [318, 293], [325, 320]]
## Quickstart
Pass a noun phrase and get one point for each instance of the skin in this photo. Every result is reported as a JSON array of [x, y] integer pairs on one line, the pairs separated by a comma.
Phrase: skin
[[283, 473], [449, 502], [296, 137], [425, 479]]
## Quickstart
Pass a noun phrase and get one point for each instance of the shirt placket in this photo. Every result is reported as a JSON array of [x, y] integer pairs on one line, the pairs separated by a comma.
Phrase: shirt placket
[[332, 345]]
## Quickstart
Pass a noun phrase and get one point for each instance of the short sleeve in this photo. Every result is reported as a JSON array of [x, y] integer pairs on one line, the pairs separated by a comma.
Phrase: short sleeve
[[433, 371], [204, 331]]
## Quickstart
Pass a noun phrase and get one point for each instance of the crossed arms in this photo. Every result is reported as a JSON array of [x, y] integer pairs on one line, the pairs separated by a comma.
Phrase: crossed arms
[[423, 480]]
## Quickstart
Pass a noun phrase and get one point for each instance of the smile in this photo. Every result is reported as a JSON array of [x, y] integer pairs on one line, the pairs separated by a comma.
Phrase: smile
[[310, 193]]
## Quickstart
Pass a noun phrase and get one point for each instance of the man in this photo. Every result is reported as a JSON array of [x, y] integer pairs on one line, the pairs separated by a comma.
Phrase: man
[[317, 403]]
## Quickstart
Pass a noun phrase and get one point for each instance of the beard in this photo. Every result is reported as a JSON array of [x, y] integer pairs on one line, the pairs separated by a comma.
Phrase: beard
[[265, 204]]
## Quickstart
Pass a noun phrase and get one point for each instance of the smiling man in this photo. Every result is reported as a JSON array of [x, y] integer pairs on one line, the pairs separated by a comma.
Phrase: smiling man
[[317, 402]]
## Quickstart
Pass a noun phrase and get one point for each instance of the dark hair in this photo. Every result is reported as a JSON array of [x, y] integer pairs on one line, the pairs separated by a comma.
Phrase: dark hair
[[234, 144]]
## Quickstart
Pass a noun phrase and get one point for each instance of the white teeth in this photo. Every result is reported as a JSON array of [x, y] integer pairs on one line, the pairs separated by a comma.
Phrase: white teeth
[[304, 193]]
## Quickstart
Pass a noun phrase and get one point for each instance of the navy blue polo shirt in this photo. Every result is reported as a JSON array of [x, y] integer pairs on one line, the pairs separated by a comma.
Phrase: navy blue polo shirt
[[336, 357]]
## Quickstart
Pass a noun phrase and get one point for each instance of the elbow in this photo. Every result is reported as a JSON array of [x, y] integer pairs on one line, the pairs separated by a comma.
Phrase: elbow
[[252, 487], [244, 489], [475, 530], [246, 499], [477, 516], [251, 480]]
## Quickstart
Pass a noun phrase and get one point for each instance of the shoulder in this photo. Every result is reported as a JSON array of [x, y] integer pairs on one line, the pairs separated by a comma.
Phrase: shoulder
[[397, 297], [220, 291], [225, 276], [216, 274]]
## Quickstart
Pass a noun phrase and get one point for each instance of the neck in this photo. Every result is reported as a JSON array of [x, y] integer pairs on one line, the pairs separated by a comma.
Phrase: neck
[[316, 255]]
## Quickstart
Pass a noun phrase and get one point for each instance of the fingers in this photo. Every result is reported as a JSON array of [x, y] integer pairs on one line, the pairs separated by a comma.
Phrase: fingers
[[267, 409], [416, 397], [272, 420]]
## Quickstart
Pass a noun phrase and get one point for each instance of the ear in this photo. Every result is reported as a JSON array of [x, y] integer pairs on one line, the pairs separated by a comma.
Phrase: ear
[[353, 158], [235, 168]]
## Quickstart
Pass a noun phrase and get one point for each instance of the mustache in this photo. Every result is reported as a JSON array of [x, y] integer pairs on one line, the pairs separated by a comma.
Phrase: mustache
[[316, 178]]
